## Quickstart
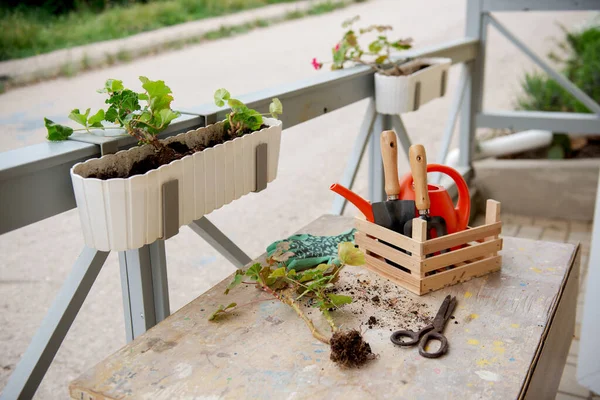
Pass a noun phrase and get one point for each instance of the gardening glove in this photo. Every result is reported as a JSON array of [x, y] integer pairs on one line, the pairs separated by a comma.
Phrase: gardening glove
[[304, 251]]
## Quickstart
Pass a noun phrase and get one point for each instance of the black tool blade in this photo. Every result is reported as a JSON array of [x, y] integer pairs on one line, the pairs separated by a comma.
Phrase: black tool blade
[[394, 214]]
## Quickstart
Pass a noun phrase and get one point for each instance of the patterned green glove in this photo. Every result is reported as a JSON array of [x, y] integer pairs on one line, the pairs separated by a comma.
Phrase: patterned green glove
[[304, 251]]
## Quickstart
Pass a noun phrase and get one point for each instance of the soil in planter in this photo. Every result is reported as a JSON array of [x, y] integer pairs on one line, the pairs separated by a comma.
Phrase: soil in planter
[[349, 349], [406, 71], [171, 152]]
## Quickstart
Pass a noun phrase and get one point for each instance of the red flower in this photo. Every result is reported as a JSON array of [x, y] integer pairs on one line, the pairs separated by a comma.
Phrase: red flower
[[337, 47], [316, 64]]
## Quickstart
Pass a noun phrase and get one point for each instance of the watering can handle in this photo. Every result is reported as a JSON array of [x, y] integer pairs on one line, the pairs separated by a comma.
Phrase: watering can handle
[[463, 205]]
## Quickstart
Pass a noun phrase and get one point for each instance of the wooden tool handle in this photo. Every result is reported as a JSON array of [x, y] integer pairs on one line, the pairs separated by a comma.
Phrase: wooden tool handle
[[389, 154], [418, 167]]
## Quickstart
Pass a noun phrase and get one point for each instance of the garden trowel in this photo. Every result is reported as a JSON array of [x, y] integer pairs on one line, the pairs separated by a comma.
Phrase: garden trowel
[[393, 213], [418, 167]]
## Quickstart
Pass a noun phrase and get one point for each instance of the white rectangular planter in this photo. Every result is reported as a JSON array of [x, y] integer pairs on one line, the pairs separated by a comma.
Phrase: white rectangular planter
[[402, 94], [123, 214]]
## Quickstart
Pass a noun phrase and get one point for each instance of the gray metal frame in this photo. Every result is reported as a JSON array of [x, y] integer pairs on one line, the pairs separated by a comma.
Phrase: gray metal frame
[[35, 182], [145, 288], [32, 367]]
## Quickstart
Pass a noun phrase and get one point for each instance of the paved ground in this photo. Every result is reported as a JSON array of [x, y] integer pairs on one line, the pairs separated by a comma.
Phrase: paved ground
[[36, 259]]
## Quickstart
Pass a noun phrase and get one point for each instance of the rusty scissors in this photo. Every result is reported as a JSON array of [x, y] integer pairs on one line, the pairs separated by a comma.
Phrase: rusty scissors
[[431, 332]]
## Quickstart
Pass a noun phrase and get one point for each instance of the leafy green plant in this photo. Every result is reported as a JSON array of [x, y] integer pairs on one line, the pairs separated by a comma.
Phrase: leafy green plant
[[377, 54], [142, 121], [580, 61], [242, 120], [289, 287]]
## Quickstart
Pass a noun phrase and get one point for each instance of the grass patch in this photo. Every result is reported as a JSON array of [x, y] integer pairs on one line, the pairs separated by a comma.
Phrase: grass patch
[[27, 32], [109, 59]]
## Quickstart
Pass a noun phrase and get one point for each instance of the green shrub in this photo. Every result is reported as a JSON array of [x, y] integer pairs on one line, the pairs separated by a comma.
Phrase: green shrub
[[581, 66]]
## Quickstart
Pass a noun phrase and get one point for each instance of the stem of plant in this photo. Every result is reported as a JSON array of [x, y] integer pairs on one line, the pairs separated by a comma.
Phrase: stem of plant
[[289, 300], [329, 319], [103, 128]]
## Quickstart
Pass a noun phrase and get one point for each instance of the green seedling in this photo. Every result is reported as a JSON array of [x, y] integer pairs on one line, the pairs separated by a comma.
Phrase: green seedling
[[242, 120]]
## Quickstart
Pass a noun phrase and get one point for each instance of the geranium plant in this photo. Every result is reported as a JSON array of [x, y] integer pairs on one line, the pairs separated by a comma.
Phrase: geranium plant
[[143, 120], [242, 120], [316, 284], [377, 54]]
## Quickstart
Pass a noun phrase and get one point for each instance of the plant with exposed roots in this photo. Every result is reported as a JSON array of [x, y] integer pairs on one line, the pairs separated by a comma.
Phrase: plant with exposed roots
[[289, 287]]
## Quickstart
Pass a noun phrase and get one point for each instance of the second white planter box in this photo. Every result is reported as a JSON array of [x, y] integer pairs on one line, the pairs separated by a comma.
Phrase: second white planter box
[[402, 94], [123, 214]]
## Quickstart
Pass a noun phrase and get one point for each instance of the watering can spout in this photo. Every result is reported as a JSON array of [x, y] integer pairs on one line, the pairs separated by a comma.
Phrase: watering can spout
[[363, 205]]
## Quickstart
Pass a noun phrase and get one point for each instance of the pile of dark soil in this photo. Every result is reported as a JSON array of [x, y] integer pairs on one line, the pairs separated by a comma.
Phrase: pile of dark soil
[[394, 308], [349, 349]]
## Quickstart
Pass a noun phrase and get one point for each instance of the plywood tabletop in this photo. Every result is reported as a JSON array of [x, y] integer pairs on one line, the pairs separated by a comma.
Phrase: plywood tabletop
[[263, 350]]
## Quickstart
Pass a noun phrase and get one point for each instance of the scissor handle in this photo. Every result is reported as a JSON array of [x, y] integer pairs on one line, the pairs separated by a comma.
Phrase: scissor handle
[[414, 337], [433, 336]]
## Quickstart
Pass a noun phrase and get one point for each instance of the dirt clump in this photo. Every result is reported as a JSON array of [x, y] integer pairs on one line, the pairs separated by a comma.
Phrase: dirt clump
[[372, 321], [349, 349]]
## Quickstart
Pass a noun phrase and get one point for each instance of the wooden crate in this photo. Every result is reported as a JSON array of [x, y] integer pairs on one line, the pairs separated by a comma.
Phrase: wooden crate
[[474, 252]]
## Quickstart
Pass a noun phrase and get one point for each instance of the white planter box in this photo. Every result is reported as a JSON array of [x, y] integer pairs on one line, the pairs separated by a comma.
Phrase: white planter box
[[123, 214], [402, 94]]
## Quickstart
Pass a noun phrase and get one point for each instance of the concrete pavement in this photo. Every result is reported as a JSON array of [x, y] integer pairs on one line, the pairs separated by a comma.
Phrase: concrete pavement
[[36, 259]]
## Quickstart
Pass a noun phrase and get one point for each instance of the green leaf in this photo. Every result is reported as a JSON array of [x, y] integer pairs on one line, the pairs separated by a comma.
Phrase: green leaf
[[221, 310], [221, 96], [236, 105], [237, 279], [264, 275], [275, 108], [165, 117], [112, 85], [254, 271], [95, 120], [254, 120], [350, 255], [111, 114], [143, 96], [313, 273], [401, 44], [350, 21], [56, 131], [159, 94], [339, 300], [278, 273], [81, 119], [375, 47], [339, 56], [556, 152], [129, 101], [351, 39], [381, 59]]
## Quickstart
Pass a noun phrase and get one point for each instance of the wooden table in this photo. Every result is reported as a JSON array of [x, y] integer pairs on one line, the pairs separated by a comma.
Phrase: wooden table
[[509, 339]]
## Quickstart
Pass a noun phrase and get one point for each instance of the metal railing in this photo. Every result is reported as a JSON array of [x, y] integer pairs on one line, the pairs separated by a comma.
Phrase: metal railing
[[35, 182]]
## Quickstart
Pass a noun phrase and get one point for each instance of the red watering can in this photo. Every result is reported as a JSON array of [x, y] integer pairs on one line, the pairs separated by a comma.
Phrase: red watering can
[[457, 217]]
